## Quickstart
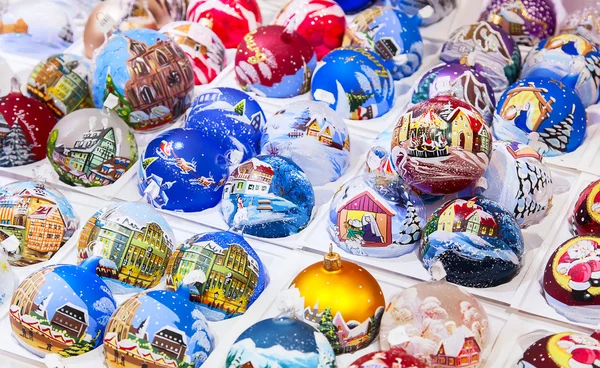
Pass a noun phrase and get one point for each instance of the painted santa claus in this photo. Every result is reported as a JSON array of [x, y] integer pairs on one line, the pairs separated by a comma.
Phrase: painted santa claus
[[581, 262], [584, 350]]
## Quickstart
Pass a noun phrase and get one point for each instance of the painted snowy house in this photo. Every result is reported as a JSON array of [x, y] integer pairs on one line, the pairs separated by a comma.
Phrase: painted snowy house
[[351, 337], [459, 350], [72, 319], [387, 48], [46, 229], [109, 171], [171, 342], [95, 147], [312, 314], [466, 216], [251, 177]]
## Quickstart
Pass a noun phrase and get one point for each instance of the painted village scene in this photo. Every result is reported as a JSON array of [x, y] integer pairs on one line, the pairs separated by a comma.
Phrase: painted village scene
[[35, 222], [513, 18]]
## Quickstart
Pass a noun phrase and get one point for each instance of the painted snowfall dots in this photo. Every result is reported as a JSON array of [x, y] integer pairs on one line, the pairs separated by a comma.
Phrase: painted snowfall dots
[[562, 350]]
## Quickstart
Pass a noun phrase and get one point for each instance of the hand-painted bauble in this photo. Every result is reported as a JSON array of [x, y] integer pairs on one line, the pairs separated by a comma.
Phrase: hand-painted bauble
[[583, 22], [182, 170], [488, 49], [585, 218], [268, 196], [7, 281], [542, 113], [441, 146], [459, 81], [231, 20], [393, 35], [25, 126], [355, 83], [571, 282], [354, 6], [202, 46], [61, 309], [313, 136], [91, 148], [437, 321], [527, 21], [225, 256], [229, 100], [376, 215], [379, 158], [281, 342], [561, 350], [32, 212], [128, 245], [157, 329], [344, 300], [570, 59], [144, 76], [393, 358], [441, 8], [519, 181], [276, 62], [321, 22], [6, 74], [479, 255]]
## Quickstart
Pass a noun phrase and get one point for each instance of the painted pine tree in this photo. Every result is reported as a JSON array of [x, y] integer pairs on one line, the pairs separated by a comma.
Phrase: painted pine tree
[[328, 329], [410, 229], [557, 136], [240, 108], [357, 100], [16, 148], [124, 107], [302, 121]]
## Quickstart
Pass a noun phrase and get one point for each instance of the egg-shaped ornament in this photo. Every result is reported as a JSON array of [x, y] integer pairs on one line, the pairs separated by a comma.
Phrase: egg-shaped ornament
[[355, 83], [25, 126], [569, 58], [157, 329], [61, 309], [231, 20], [585, 22], [354, 6], [281, 342], [144, 76], [376, 215], [182, 170], [439, 322], [440, 9], [441, 146], [225, 256], [488, 49], [478, 242], [562, 350], [393, 35], [202, 46], [7, 280], [6, 74], [128, 244], [519, 181], [342, 300], [275, 61], [526, 21], [91, 148], [542, 113], [321, 22], [268, 196], [313, 136], [585, 216], [459, 81], [37, 221], [393, 358]]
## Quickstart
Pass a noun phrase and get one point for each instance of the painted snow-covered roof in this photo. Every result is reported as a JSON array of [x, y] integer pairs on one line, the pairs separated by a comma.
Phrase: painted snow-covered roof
[[172, 333], [454, 344], [74, 311]]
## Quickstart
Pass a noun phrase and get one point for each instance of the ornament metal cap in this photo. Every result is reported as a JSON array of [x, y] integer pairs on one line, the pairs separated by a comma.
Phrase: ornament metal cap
[[332, 260]]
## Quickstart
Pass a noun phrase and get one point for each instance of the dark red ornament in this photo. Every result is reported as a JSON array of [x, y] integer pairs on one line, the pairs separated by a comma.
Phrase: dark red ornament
[[394, 358], [585, 219], [562, 350]]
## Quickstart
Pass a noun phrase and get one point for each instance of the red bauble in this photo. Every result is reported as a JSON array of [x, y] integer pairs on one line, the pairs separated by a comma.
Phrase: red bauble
[[394, 358], [321, 22], [231, 20], [585, 219], [25, 125]]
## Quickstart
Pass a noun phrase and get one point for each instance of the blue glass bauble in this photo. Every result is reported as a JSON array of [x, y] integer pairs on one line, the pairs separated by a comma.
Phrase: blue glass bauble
[[441, 8], [183, 170], [354, 6]]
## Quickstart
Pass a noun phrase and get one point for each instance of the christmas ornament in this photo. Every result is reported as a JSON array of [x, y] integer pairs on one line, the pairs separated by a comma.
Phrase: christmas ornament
[[231, 20], [157, 329], [441, 146], [144, 76], [182, 170], [488, 49], [519, 181], [226, 100], [275, 61], [36, 221], [572, 279], [394, 358], [478, 242], [393, 35], [354, 6], [91, 147], [224, 256], [458, 81], [342, 300], [321, 22], [542, 113], [25, 125], [527, 21], [355, 83], [562, 350], [60, 309], [128, 245], [6, 74], [583, 22], [379, 158], [441, 8], [202, 46], [439, 322], [281, 342], [585, 218], [268, 196], [376, 215], [313, 136], [569, 58], [7, 280]]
